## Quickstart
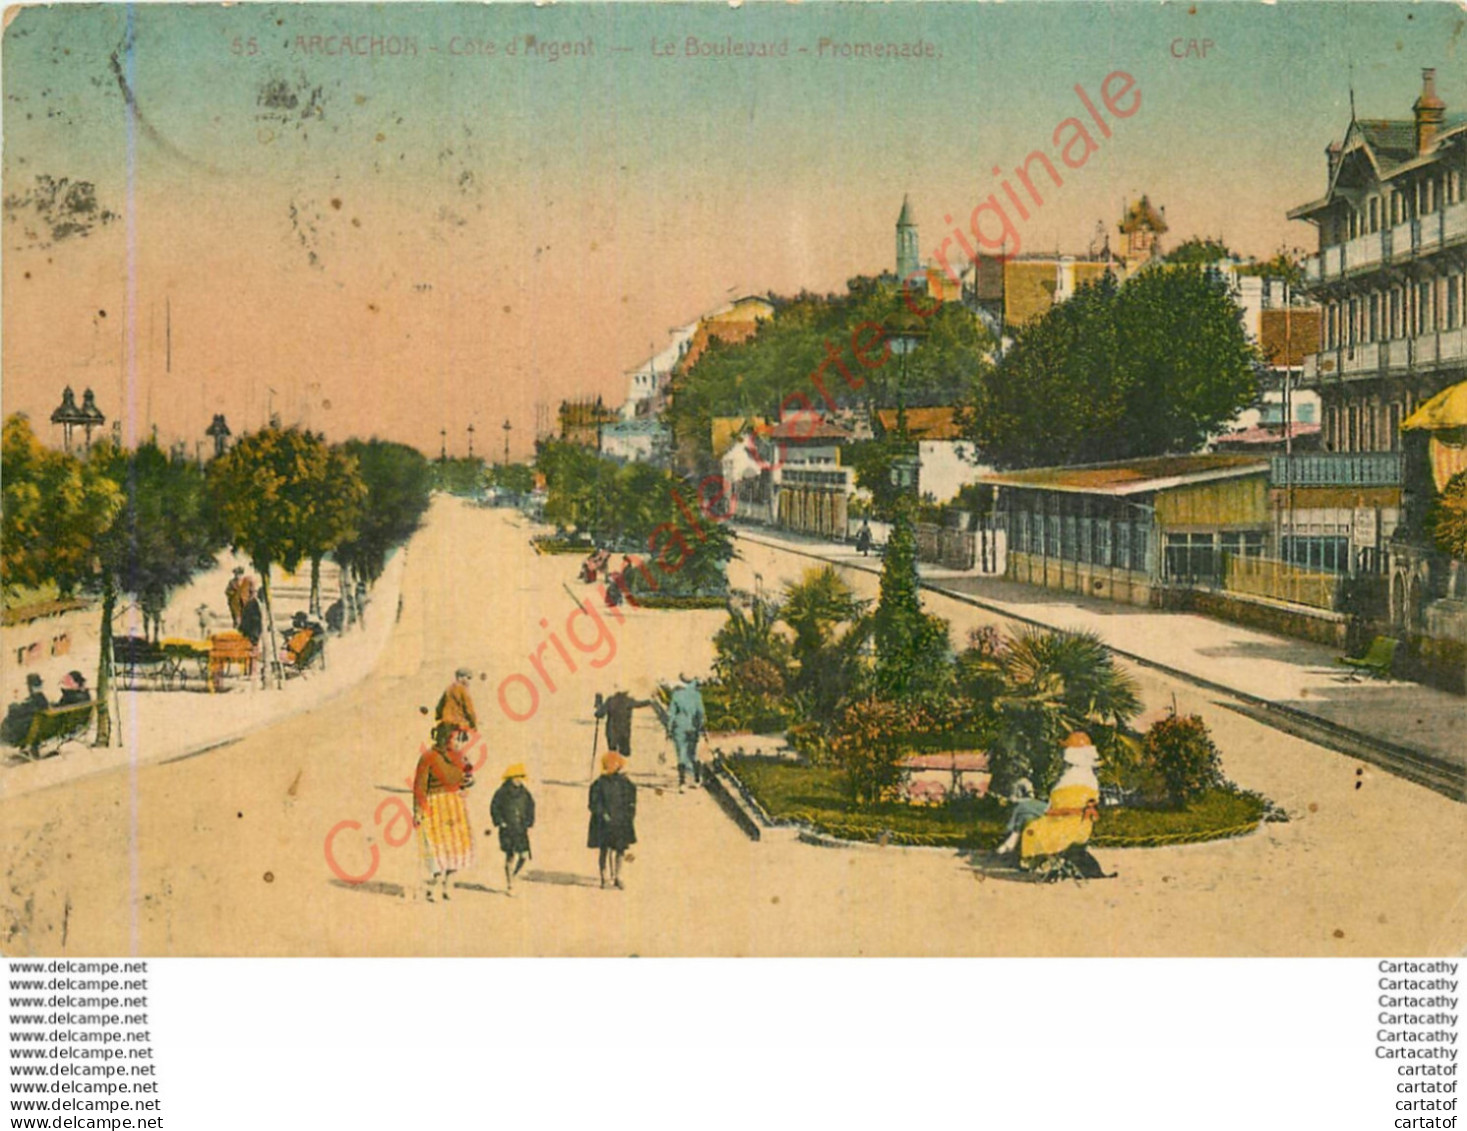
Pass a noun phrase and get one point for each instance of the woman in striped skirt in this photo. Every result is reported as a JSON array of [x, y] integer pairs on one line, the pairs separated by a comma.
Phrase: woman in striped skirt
[[439, 812]]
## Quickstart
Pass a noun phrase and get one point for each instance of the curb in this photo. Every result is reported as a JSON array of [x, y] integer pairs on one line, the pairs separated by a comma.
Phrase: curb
[[1406, 762]]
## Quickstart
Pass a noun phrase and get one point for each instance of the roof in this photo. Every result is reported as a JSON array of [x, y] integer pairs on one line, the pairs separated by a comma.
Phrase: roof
[[1390, 146], [801, 427], [1143, 213], [1132, 477], [1298, 328], [905, 219], [923, 423], [1448, 409], [1268, 434]]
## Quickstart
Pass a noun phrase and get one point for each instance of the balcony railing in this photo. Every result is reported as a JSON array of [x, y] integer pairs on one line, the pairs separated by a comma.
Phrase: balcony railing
[[1381, 359], [1421, 236], [1337, 469]]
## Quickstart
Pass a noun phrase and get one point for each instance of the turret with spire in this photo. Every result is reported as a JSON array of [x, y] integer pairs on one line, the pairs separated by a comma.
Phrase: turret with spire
[[908, 258]]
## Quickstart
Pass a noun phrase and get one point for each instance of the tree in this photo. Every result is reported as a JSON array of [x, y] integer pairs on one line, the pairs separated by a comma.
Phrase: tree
[[54, 509], [831, 630], [270, 492], [911, 645], [334, 505], [164, 534], [1117, 373], [1054, 683], [399, 484], [1447, 519], [516, 478], [1199, 251]]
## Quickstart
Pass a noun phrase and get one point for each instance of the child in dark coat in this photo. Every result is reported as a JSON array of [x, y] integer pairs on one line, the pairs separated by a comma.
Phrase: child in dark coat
[[513, 812], [613, 805]]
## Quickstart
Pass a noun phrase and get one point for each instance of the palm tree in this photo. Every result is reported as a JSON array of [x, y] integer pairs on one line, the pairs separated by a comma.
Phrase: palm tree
[[832, 628], [1055, 683]]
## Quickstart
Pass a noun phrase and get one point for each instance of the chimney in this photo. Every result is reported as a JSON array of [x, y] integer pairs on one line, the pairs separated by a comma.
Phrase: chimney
[[1430, 112]]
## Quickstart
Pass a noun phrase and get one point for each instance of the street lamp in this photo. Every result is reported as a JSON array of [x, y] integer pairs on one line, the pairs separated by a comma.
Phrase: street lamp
[[506, 427]]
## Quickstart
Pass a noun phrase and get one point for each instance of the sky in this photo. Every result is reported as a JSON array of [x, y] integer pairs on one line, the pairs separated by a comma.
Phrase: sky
[[397, 220]]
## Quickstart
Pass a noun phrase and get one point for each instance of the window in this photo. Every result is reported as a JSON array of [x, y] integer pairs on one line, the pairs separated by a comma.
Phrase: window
[[1375, 213], [1242, 543], [1191, 558], [1426, 322], [1395, 313], [1102, 542], [1325, 553], [1374, 328], [1454, 301], [1052, 537], [1123, 546], [1393, 418]]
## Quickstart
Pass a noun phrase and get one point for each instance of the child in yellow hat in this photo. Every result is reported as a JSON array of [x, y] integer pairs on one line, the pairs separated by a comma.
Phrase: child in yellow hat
[[513, 812]]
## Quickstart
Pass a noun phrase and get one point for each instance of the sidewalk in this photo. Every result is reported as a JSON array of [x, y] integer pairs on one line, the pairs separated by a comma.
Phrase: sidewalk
[[1287, 683], [165, 726]]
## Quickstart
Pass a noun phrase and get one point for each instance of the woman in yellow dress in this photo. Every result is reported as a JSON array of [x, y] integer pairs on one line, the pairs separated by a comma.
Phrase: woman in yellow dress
[[1074, 804], [439, 812]]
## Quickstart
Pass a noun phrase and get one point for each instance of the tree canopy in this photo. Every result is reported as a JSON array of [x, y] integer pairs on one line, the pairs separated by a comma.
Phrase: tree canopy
[[1150, 368], [788, 360]]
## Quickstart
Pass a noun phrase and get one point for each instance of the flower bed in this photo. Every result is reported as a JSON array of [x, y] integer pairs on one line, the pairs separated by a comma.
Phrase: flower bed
[[812, 795]]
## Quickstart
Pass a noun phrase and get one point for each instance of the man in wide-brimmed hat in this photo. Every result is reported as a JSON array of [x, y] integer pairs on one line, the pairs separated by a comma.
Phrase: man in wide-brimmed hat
[[512, 812]]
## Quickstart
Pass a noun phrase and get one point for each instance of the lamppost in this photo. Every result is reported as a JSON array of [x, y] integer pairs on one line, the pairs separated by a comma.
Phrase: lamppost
[[506, 426], [471, 441], [443, 445]]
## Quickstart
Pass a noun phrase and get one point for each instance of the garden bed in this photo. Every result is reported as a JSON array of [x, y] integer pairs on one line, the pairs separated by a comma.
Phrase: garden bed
[[797, 793]]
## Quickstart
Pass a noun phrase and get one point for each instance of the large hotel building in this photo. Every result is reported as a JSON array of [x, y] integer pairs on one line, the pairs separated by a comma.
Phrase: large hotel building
[[1389, 273]]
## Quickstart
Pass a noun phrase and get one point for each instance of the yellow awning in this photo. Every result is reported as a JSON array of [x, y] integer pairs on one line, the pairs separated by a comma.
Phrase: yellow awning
[[1448, 409]]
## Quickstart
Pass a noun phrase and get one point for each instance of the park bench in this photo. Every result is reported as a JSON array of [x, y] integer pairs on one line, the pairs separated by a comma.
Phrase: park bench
[[136, 657], [1377, 660], [303, 647], [228, 650], [55, 726]]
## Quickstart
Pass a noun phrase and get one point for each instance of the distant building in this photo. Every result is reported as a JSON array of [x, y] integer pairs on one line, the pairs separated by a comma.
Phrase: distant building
[[647, 383], [946, 461], [737, 322], [943, 282], [1143, 225], [639, 440], [1389, 273], [581, 422]]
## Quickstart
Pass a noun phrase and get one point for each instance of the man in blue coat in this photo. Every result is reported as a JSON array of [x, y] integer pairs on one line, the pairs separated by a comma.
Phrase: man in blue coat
[[684, 725]]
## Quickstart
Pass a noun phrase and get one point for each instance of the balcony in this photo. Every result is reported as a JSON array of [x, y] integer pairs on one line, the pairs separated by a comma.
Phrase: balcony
[[1337, 469], [1444, 349], [1424, 235]]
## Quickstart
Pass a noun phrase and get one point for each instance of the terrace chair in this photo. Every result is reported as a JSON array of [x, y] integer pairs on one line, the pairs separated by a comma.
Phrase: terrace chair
[[1376, 662]]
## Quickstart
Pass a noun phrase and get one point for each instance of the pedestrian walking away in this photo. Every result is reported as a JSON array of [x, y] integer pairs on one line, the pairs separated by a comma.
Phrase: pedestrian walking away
[[512, 812], [440, 813], [684, 725], [863, 539], [234, 596], [613, 805], [617, 710], [455, 708]]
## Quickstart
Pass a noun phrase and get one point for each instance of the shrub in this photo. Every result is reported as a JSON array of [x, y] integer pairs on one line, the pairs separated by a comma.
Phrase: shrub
[[870, 738], [1184, 756]]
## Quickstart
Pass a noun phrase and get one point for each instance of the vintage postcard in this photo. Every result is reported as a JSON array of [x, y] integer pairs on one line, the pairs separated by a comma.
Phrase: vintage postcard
[[720, 480]]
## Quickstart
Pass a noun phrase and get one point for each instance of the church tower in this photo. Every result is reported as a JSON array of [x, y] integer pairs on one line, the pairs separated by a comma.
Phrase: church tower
[[908, 259]]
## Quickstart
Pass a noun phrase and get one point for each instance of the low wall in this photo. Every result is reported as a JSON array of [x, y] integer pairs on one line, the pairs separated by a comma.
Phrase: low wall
[[1316, 625], [1123, 585]]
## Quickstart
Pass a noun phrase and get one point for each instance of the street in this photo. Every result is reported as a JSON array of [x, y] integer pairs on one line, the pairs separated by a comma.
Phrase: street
[[225, 853]]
